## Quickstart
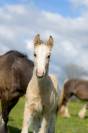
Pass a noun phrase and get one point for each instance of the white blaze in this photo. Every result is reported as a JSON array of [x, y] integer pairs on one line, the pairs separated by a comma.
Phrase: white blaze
[[41, 60]]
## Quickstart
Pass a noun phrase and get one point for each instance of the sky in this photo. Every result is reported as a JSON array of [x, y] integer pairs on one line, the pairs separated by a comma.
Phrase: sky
[[65, 20]]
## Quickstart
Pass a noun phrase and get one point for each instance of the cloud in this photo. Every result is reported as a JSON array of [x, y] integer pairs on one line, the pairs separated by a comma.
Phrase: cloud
[[19, 24], [3, 49], [78, 3]]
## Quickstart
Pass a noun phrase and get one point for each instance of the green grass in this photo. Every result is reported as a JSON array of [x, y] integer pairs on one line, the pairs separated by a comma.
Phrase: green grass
[[63, 125]]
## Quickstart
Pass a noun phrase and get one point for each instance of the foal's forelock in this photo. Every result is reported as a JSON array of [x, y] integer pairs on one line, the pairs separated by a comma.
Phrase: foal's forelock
[[42, 54]]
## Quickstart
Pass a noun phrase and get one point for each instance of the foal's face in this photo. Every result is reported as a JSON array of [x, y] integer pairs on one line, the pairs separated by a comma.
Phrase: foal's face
[[42, 53], [41, 58]]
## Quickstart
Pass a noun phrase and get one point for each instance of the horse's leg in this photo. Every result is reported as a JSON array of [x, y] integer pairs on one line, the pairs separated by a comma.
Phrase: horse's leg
[[63, 108], [82, 112], [64, 111], [6, 108], [36, 125], [2, 125], [45, 123], [4, 116], [27, 120], [52, 121]]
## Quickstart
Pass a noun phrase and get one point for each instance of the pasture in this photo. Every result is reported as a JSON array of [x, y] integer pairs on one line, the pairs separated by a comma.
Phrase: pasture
[[63, 125]]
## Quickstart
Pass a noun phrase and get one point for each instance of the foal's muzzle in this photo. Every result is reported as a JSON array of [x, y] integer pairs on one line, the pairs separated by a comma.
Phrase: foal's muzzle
[[40, 74]]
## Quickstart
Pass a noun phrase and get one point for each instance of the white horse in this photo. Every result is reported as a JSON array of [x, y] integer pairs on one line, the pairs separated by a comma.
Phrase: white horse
[[41, 95]]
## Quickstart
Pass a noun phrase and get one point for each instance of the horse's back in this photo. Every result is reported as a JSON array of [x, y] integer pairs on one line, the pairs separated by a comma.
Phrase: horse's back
[[14, 60], [15, 71], [7, 60], [77, 87]]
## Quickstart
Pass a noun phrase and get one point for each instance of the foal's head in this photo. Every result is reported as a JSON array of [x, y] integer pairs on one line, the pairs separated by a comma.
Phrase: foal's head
[[42, 53]]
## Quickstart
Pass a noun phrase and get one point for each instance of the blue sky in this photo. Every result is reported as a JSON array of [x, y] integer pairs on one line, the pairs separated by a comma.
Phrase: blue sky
[[63, 7], [60, 6], [65, 20]]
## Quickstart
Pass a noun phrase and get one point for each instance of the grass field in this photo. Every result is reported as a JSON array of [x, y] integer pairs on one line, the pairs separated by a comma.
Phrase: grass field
[[63, 125]]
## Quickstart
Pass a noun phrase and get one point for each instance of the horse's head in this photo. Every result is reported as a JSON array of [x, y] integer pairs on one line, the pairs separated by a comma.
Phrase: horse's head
[[42, 53]]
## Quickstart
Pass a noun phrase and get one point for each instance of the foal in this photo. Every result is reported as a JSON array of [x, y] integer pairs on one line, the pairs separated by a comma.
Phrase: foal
[[41, 95]]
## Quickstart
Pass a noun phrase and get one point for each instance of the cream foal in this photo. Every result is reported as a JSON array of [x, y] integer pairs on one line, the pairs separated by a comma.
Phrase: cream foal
[[41, 95]]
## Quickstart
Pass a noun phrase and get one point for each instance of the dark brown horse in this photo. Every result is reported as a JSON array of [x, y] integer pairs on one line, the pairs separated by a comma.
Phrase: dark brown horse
[[15, 73], [74, 87]]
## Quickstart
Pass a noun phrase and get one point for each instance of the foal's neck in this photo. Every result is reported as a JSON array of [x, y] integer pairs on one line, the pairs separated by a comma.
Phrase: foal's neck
[[40, 81]]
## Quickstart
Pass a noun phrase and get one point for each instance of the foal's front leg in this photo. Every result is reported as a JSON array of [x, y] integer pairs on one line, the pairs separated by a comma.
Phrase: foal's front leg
[[44, 124], [27, 120], [51, 128]]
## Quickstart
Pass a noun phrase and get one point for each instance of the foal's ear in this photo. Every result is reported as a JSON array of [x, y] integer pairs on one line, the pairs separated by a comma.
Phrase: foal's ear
[[50, 42], [37, 40]]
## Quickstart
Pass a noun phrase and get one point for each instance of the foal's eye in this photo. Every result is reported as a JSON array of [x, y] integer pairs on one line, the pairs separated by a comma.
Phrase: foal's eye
[[35, 55], [48, 56]]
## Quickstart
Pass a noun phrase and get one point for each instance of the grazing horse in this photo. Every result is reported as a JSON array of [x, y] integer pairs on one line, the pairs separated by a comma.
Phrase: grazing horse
[[41, 95], [73, 87], [15, 74]]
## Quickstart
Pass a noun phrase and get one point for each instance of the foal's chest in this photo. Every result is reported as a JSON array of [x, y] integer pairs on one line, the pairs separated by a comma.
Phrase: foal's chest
[[38, 97]]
